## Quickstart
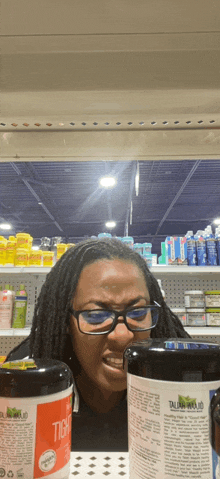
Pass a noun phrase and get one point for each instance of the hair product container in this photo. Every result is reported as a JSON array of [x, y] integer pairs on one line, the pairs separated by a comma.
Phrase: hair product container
[[35, 419], [173, 409]]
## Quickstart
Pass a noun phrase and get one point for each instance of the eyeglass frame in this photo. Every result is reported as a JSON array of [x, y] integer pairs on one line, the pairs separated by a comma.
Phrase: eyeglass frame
[[117, 314]]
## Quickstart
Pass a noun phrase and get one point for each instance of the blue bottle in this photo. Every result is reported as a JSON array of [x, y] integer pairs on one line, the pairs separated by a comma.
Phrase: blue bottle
[[217, 239], [191, 249], [211, 250], [200, 248]]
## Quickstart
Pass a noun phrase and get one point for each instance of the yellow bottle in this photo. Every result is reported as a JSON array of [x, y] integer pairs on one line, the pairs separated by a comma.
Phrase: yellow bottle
[[3, 244], [48, 258], [35, 257], [10, 253], [21, 257], [23, 240], [61, 249], [69, 245]]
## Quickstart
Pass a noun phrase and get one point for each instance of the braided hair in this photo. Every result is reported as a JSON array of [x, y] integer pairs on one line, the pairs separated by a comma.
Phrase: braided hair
[[51, 315]]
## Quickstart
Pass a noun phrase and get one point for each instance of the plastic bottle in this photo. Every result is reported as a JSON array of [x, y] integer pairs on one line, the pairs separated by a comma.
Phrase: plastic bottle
[[161, 289], [200, 248], [10, 252], [20, 308], [191, 249], [128, 240], [211, 250], [7, 297], [217, 239], [3, 245]]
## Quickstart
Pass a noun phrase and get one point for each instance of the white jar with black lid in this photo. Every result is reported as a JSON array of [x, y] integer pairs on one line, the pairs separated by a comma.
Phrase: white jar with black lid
[[173, 398], [36, 398]]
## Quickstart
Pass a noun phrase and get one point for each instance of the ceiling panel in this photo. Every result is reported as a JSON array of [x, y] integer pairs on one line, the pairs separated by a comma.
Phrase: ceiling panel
[[65, 199]]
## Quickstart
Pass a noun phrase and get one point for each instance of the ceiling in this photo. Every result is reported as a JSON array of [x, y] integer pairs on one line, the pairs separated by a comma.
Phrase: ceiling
[[89, 88], [65, 199]]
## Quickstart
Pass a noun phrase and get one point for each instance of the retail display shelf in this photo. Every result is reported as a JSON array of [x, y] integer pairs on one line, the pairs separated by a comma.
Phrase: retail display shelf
[[185, 269], [203, 331], [15, 332], [24, 269], [192, 330], [155, 269]]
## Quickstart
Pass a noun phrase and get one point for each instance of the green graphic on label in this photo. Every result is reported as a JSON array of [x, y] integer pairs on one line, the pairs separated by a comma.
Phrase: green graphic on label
[[186, 401], [13, 412]]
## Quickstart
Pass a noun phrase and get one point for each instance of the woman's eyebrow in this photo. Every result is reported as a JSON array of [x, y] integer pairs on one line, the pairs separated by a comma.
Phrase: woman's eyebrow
[[130, 303]]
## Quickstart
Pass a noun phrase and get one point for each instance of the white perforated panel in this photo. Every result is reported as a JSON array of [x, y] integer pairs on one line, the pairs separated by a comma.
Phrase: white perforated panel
[[175, 285], [99, 464]]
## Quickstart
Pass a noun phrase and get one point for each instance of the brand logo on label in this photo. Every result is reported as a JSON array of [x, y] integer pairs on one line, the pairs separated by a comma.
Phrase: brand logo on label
[[14, 413], [186, 403]]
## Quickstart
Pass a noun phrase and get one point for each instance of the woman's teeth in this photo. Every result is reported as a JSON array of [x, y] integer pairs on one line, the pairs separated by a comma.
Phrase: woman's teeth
[[115, 362]]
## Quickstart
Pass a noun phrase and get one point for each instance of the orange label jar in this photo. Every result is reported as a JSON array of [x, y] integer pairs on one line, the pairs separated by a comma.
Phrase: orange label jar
[[23, 240], [21, 257], [48, 257], [61, 249], [36, 400], [35, 258]]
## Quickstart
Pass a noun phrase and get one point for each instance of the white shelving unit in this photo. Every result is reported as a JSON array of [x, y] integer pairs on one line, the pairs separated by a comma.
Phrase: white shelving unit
[[175, 281]]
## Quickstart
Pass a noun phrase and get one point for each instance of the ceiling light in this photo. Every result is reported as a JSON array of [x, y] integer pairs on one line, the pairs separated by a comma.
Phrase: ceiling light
[[217, 221], [5, 226], [110, 224], [107, 181]]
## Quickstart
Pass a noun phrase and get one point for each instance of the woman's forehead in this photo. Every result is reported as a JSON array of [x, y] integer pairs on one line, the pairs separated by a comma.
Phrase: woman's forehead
[[112, 274]]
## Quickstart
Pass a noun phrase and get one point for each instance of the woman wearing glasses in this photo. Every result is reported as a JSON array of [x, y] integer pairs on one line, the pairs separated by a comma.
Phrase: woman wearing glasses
[[97, 299]]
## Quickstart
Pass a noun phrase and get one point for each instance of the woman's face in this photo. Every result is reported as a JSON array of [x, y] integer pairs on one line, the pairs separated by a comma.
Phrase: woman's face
[[107, 284]]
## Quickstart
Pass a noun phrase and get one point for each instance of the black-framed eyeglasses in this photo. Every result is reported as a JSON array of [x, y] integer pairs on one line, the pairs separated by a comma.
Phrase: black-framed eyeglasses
[[101, 321]]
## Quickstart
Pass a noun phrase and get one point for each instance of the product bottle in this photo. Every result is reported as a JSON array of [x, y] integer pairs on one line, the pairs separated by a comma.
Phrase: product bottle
[[191, 249], [10, 252], [211, 250], [6, 307], [162, 291], [217, 239], [20, 308], [200, 248], [3, 245]]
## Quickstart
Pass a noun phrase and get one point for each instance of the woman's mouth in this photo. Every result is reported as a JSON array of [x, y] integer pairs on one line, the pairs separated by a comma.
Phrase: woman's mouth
[[114, 363]]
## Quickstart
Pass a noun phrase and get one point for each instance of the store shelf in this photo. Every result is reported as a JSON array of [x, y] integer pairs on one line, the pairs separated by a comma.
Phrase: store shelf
[[15, 332], [197, 270], [160, 268], [196, 331], [24, 269], [201, 331]]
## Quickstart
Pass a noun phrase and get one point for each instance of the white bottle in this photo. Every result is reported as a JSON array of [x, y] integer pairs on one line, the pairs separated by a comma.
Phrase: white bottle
[[7, 297], [162, 291]]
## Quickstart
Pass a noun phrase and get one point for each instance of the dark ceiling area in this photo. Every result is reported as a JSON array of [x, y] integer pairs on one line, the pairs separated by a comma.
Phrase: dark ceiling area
[[65, 199]]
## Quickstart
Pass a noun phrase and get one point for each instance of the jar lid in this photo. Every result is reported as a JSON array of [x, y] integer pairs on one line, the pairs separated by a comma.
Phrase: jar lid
[[195, 310], [194, 292], [178, 359], [212, 310], [34, 377], [212, 292]]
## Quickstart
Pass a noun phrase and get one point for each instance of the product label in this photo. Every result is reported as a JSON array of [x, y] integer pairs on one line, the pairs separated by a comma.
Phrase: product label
[[168, 429], [36, 436], [22, 365]]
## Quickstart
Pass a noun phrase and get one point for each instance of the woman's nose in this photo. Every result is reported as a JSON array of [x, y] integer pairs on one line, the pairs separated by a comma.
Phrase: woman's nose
[[121, 332]]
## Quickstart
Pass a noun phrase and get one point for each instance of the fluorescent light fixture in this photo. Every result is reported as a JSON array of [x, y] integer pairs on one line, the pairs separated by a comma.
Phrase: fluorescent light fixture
[[110, 224], [5, 226], [35, 248], [107, 181], [217, 221]]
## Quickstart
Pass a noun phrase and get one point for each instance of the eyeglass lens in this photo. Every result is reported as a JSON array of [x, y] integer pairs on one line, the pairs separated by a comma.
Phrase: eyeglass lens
[[101, 321]]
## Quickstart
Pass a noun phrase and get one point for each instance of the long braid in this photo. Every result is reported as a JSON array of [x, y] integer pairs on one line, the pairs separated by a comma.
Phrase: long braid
[[51, 315]]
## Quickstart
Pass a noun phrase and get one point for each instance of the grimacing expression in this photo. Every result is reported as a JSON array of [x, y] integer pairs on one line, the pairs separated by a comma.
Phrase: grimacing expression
[[107, 284]]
